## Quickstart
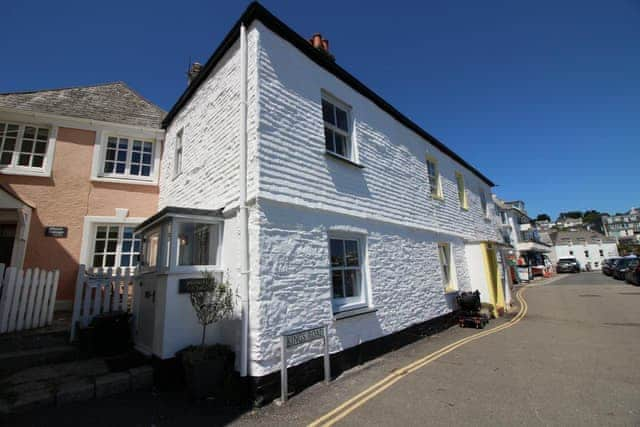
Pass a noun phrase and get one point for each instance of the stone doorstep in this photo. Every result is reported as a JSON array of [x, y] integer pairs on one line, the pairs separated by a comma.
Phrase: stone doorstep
[[29, 396]]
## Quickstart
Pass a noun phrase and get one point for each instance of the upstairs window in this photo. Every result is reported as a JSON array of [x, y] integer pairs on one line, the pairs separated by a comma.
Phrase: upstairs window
[[128, 157], [177, 158], [462, 194], [483, 204], [23, 146], [435, 186], [337, 133]]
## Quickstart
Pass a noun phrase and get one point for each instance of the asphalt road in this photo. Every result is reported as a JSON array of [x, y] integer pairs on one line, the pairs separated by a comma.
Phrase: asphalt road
[[572, 360]]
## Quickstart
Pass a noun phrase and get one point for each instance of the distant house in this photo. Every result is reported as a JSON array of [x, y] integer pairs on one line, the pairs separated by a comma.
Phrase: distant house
[[321, 203], [586, 246], [78, 171], [624, 227]]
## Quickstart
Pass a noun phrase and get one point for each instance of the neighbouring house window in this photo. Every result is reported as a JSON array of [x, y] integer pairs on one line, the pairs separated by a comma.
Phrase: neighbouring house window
[[23, 146], [444, 254], [601, 253], [197, 244], [570, 252], [115, 245], [337, 134], [435, 188], [462, 194], [346, 255], [586, 254], [177, 162], [126, 156]]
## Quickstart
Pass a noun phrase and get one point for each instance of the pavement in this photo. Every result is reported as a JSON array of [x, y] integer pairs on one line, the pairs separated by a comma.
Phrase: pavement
[[571, 360]]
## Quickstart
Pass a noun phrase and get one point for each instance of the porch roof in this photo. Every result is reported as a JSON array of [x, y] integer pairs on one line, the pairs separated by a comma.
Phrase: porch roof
[[169, 211], [533, 247]]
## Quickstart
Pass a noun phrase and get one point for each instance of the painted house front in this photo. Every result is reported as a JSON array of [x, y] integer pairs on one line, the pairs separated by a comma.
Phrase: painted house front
[[79, 170], [585, 246], [357, 218]]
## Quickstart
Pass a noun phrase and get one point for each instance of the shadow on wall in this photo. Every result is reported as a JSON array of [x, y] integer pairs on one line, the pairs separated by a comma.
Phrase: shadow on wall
[[48, 253]]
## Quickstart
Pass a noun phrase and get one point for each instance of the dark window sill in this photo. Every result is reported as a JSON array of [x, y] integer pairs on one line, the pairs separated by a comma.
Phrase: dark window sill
[[344, 159], [353, 313]]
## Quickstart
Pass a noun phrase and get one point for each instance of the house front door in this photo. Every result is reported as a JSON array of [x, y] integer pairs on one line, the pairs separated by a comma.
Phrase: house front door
[[7, 239], [145, 326]]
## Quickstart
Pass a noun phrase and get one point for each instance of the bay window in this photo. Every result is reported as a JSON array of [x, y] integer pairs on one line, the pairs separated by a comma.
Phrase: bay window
[[197, 243]]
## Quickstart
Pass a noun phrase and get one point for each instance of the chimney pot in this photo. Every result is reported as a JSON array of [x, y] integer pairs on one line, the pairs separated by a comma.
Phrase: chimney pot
[[194, 70], [325, 45], [317, 40]]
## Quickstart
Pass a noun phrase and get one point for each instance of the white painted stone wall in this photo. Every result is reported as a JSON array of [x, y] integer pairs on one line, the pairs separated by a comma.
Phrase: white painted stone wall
[[404, 280], [577, 251], [303, 194]]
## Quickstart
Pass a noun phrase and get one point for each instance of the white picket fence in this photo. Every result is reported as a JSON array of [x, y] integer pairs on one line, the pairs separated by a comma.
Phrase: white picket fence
[[100, 291], [27, 298]]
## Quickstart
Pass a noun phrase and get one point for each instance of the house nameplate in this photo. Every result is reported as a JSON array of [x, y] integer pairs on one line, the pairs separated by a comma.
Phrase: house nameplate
[[187, 286], [56, 231]]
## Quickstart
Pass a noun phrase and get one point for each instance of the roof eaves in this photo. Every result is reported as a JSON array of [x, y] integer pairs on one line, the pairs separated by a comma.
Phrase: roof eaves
[[256, 11]]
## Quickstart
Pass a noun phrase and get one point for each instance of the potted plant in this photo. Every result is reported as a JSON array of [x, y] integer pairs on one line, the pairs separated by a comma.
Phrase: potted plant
[[207, 366]]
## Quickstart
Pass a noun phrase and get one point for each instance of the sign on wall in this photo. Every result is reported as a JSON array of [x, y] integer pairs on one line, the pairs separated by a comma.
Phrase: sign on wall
[[298, 338], [188, 286], [56, 231]]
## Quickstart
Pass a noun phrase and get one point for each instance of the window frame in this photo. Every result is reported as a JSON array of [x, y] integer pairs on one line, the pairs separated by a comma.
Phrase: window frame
[[451, 283], [462, 191], [127, 175], [174, 246], [439, 195], [178, 153], [344, 304], [13, 168], [484, 204], [350, 145], [119, 243]]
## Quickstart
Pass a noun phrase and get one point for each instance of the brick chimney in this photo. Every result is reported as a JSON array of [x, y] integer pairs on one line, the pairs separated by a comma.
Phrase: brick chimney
[[193, 72], [321, 44]]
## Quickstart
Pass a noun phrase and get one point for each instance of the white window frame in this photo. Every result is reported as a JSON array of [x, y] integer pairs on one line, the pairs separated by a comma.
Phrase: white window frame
[[350, 147], [14, 168], [118, 252], [449, 282], [89, 230], [100, 154], [350, 303], [484, 201], [462, 191], [174, 247], [435, 189], [178, 153]]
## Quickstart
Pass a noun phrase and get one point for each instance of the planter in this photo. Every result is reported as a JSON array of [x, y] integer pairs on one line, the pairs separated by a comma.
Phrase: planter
[[207, 370]]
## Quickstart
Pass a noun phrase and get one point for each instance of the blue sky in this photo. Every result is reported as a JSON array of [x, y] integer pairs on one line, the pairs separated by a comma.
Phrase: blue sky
[[543, 97]]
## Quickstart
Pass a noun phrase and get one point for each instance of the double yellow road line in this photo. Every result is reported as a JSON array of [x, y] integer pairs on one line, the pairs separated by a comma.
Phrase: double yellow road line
[[360, 399]]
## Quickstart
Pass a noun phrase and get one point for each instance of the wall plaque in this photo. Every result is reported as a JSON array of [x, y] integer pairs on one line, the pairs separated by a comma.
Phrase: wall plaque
[[56, 231]]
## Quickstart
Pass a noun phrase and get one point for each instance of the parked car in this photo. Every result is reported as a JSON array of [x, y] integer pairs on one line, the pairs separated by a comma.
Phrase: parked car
[[609, 264], [568, 265], [621, 267], [633, 272]]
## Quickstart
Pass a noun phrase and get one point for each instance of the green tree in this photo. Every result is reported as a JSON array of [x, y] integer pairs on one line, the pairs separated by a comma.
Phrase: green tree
[[543, 217]]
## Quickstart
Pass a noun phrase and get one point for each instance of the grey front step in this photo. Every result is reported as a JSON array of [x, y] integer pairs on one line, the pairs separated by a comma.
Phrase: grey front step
[[34, 339], [14, 361]]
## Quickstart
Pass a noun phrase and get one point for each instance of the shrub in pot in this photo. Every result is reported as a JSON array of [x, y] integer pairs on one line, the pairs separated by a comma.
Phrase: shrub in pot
[[107, 334], [207, 366]]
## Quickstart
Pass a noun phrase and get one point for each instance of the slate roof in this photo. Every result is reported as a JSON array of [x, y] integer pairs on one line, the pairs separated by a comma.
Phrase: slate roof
[[256, 11], [580, 237], [109, 102]]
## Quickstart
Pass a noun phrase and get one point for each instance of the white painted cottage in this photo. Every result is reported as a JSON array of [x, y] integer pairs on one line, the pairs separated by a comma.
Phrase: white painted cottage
[[317, 199], [585, 246]]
